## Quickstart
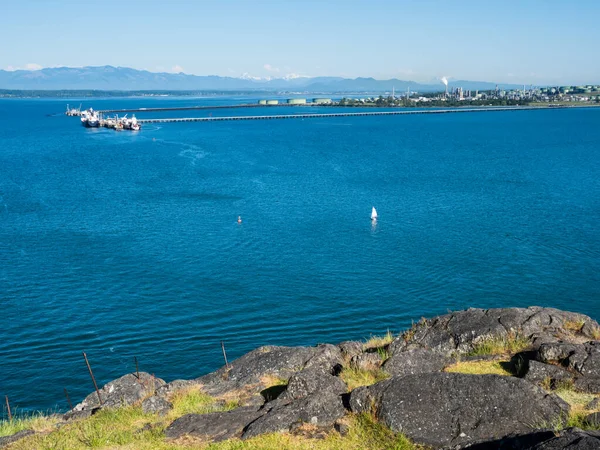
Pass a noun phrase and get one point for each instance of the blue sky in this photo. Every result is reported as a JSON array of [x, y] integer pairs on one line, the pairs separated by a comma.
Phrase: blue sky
[[527, 41]]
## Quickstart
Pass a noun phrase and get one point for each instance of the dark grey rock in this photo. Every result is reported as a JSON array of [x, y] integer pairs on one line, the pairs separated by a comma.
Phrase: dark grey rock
[[414, 362], [439, 409], [217, 426], [556, 352], [591, 385], [593, 419], [341, 428], [366, 361], [245, 373], [321, 409], [5, 440], [80, 414], [310, 380], [457, 332], [594, 404], [123, 391], [583, 358], [156, 405], [538, 372], [350, 349], [173, 386], [573, 439], [326, 357], [524, 441]]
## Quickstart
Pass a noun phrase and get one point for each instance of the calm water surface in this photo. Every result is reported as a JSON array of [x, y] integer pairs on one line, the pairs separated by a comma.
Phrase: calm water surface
[[123, 244]]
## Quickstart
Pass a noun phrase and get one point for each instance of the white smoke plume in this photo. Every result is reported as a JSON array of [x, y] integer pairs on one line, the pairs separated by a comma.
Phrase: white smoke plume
[[444, 80]]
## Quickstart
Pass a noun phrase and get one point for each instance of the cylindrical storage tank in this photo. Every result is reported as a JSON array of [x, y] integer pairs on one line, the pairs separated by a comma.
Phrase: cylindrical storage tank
[[262, 102], [272, 102], [296, 101], [321, 101]]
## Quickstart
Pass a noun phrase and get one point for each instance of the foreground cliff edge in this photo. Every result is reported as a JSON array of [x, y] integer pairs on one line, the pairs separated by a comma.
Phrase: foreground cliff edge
[[511, 378]]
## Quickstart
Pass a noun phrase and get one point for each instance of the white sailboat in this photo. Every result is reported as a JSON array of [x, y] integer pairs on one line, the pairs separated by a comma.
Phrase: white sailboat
[[373, 214]]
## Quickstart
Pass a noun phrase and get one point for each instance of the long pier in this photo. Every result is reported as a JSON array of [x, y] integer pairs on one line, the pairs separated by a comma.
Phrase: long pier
[[189, 108], [348, 114]]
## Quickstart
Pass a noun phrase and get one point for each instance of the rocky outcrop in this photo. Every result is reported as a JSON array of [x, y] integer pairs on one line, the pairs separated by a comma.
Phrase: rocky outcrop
[[215, 426], [156, 405], [538, 372], [412, 362], [309, 381], [248, 373], [594, 404], [321, 409], [124, 391], [582, 358], [439, 409], [284, 388], [583, 361], [458, 332]]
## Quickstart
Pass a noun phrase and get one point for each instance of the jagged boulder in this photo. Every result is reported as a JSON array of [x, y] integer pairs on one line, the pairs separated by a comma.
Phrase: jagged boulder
[[593, 419], [591, 385], [327, 358], [573, 439], [415, 361], [124, 391], [440, 409], [594, 404], [311, 380], [538, 372], [217, 426], [458, 332], [321, 409], [583, 358], [350, 349], [252, 372], [156, 405]]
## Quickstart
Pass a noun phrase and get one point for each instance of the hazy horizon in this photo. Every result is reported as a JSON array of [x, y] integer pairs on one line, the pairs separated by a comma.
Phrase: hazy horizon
[[539, 43]]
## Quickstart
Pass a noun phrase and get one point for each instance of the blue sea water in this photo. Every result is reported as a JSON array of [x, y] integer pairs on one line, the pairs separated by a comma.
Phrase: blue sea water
[[125, 244]]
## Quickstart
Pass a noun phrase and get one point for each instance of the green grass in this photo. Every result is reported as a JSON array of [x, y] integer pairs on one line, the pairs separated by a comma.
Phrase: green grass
[[364, 433], [480, 368], [355, 377], [37, 422], [194, 401], [577, 401], [122, 429], [500, 345]]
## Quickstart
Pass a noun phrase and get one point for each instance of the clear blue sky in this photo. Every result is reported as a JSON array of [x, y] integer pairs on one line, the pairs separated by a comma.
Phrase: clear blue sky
[[527, 41]]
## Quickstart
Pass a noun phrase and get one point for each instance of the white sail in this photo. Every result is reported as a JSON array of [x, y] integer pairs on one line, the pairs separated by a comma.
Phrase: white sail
[[373, 214]]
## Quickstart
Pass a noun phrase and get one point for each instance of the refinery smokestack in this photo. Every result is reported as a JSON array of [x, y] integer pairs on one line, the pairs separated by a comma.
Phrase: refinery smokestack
[[445, 81]]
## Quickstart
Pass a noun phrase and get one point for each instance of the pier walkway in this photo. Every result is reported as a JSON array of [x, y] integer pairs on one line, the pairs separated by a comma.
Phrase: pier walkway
[[348, 114], [188, 108]]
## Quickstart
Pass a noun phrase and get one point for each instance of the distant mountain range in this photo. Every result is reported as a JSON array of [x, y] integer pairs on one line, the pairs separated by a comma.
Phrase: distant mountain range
[[126, 79]]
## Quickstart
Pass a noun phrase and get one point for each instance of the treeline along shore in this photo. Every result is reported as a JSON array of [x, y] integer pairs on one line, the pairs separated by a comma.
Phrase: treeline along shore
[[510, 378]]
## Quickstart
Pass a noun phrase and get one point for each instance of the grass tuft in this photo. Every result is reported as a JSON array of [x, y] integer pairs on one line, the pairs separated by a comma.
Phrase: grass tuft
[[500, 345], [596, 333], [194, 401], [355, 377], [378, 341], [480, 368], [574, 326], [37, 422]]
